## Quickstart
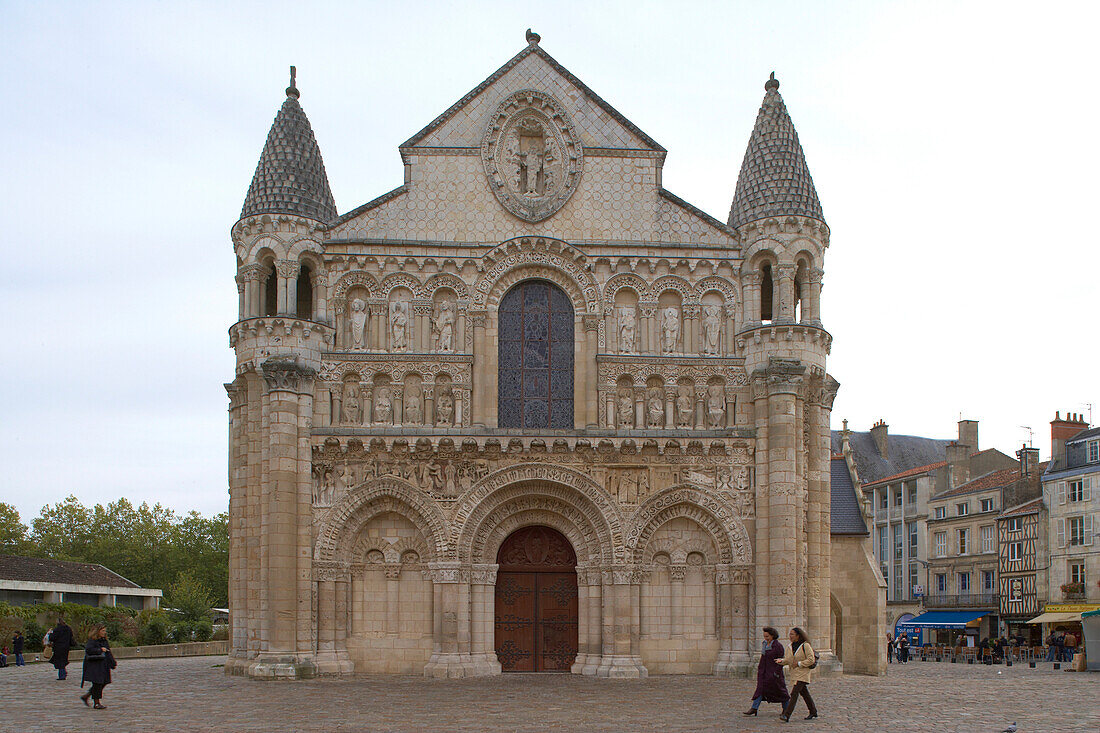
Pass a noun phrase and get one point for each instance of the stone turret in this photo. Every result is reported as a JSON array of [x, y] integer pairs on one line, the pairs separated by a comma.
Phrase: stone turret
[[777, 216]]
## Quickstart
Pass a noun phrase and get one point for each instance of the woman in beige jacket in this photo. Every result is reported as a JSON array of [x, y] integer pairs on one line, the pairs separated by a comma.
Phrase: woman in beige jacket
[[799, 660]]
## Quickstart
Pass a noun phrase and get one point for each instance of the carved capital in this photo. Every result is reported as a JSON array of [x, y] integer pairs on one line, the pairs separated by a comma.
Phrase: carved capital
[[448, 572], [786, 271], [238, 393], [677, 573], [392, 570], [478, 318], [648, 308], [287, 268], [754, 278], [281, 374], [816, 275], [590, 322], [252, 273], [484, 574]]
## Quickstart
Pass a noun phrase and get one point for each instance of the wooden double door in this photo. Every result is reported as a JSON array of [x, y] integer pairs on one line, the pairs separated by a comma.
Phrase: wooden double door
[[536, 602]]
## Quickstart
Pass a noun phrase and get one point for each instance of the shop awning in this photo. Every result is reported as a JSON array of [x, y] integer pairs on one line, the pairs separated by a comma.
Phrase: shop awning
[[943, 620], [1055, 617]]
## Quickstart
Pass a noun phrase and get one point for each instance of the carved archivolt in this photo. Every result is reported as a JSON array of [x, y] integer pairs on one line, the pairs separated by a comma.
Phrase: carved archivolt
[[549, 488], [626, 280], [713, 514], [456, 367], [445, 280], [614, 367], [674, 282], [343, 522], [537, 257], [398, 280], [720, 284], [352, 279]]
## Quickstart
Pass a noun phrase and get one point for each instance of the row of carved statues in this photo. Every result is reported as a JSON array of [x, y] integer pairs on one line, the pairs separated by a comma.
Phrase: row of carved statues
[[669, 328], [443, 325]]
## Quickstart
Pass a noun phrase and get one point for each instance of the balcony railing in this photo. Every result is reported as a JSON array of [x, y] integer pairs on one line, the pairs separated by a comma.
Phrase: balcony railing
[[964, 600], [895, 512]]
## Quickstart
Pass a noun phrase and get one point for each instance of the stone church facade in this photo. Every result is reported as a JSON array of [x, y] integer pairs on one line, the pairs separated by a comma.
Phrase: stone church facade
[[528, 410]]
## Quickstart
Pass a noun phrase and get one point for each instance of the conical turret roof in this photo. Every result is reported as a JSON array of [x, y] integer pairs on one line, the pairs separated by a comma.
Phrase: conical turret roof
[[774, 179], [290, 177]]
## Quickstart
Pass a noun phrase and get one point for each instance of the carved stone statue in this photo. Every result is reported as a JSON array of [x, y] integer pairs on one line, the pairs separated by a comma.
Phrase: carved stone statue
[[414, 412], [626, 409], [383, 405], [351, 405], [347, 477], [712, 328], [445, 409], [684, 407], [716, 406], [670, 329], [655, 409], [399, 325], [628, 330], [444, 326], [358, 323]]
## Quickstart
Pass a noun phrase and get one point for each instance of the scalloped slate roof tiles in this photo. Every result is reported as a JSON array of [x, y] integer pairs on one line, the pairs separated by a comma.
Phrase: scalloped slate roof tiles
[[290, 177], [774, 179], [845, 516]]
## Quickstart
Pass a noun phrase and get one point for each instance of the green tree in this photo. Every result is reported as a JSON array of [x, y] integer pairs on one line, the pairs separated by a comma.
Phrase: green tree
[[13, 533], [63, 531], [189, 597]]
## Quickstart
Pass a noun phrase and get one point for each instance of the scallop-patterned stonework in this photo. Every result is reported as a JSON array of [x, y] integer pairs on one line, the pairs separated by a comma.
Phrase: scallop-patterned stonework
[[532, 155]]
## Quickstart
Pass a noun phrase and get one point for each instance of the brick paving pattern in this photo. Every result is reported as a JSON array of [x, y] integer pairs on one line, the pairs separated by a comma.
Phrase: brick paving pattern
[[192, 694]]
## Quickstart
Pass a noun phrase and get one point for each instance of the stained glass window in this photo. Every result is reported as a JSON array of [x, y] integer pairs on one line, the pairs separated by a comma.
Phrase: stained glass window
[[535, 350]]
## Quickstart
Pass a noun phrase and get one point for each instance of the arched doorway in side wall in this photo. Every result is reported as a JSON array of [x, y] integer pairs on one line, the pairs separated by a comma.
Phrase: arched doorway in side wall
[[536, 602]]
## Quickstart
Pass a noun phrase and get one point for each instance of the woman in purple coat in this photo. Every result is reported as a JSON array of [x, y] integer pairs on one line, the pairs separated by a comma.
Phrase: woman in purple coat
[[770, 685]]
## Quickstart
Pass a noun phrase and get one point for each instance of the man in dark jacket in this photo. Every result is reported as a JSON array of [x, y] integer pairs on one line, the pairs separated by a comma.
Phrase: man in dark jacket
[[61, 639], [17, 648]]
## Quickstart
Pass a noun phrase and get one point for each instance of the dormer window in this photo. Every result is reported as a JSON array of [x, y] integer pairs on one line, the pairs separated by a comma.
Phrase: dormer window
[[1094, 451]]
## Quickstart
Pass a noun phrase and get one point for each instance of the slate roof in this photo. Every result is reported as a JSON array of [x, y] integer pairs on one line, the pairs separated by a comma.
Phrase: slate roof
[[41, 570], [774, 179], [846, 516], [290, 177], [1085, 435], [906, 453]]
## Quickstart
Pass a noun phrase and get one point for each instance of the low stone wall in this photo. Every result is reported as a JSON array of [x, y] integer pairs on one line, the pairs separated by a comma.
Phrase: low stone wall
[[190, 649]]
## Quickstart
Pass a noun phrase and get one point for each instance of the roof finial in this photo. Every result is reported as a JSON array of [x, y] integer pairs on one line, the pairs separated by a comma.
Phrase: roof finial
[[292, 90], [771, 84], [533, 38]]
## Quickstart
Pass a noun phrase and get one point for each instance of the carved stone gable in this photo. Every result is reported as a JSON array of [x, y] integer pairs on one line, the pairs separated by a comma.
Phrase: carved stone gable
[[532, 155]]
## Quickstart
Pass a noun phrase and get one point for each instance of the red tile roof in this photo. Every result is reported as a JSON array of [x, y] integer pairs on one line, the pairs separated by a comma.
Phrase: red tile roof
[[1028, 507]]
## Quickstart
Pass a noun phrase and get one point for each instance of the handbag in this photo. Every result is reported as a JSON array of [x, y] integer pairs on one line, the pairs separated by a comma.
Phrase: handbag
[[817, 657]]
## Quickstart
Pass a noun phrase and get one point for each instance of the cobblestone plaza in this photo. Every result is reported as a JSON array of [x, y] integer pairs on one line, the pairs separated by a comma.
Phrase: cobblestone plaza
[[193, 694]]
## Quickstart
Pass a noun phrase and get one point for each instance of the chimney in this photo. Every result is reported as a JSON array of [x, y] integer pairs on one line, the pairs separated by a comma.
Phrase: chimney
[[1061, 430], [1029, 460], [878, 434], [968, 434], [958, 464]]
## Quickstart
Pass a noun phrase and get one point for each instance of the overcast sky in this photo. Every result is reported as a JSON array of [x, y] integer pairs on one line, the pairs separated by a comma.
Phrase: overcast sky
[[953, 145]]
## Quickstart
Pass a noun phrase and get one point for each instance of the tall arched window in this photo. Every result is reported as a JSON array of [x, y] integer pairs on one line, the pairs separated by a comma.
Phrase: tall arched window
[[304, 306], [535, 350], [767, 288]]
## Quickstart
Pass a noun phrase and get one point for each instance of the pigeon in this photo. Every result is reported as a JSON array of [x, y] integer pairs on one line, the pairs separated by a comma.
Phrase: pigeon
[[1011, 728]]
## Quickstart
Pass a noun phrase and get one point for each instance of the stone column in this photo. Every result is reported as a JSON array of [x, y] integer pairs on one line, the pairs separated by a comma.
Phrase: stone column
[[287, 288], [366, 399], [819, 569], [238, 501], [731, 406], [452, 656], [592, 346], [594, 657], [582, 622], [483, 654], [811, 307], [690, 336], [785, 287], [734, 621], [784, 379], [670, 407], [376, 338], [462, 309], [479, 399], [611, 420], [422, 336], [648, 331], [393, 598], [618, 660], [710, 629], [751, 292], [427, 399], [676, 575], [701, 405], [611, 330], [252, 276], [729, 329], [639, 407], [285, 512]]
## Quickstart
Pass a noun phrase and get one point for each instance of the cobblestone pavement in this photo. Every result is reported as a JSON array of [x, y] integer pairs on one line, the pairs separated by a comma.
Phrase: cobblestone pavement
[[193, 694]]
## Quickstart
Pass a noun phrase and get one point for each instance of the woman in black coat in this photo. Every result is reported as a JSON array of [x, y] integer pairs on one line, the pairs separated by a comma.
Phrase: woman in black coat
[[770, 685], [61, 640], [98, 663]]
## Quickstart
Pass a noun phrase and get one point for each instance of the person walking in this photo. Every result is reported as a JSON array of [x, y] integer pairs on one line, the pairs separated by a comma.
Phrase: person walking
[[770, 685], [904, 644], [799, 659], [61, 639], [1069, 646], [889, 648], [17, 648], [98, 663]]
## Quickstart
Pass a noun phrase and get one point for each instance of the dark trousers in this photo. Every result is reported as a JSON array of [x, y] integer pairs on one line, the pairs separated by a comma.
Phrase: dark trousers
[[97, 690], [800, 688]]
